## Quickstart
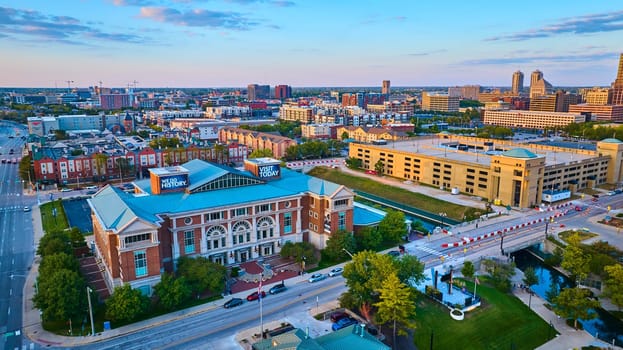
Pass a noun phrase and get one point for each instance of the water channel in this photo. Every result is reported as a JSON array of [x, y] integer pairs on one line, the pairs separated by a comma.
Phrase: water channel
[[605, 326]]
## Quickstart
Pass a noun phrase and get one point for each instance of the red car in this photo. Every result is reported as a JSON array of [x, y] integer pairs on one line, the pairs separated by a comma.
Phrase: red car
[[255, 295]]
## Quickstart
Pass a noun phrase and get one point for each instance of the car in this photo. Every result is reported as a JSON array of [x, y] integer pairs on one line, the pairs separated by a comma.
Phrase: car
[[317, 277], [595, 199], [578, 208], [66, 189], [255, 295], [92, 187], [343, 323], [611, 193], [90, 192], [26, 208], [233, 302], [336, 271], [278, 288], [393, 253], [338, 315], [370, 172]]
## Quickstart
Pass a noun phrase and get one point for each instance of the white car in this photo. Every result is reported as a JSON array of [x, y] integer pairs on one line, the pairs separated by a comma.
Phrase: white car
[[317, 277], [26, 208], [336, 271], [66, 189]]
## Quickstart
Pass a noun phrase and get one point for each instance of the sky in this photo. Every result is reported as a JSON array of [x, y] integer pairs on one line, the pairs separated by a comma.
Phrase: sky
[[233, 43]]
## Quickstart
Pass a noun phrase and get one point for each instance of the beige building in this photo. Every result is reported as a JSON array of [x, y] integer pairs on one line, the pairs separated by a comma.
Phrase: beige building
[[514, 174], [598, 96], [599, 112], [439, 102], [530, 119], [538, 84], [517, 84], [362, 134], [617, 85], [305, 115]]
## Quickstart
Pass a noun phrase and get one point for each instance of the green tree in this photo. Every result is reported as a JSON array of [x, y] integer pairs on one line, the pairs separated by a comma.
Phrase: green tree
[[56, 262], [101, 160], [201, 274], [575, 260], [344, 135], [300, 251], [76, 237], [261, 153], [368, 238], [364, 276], [54, 242], [60, 135], [353, 163], [393, 226], [25, 170], [614, 284], [410, 270], [61, 295], [123, 166], [468, 269], [554, 288], [500, 273], [126, 304], [396, 305], [172, 292], [338, 242], [379, 167], [529, 277], [574, 303]]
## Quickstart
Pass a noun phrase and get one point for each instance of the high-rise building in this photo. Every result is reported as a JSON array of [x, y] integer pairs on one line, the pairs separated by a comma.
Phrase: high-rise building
[[517, 85], [538, 85], [283, 92], [598, 96], [385, 90], [258, 92], [439, 102], [115, 101], [470, 92], [617, 86]]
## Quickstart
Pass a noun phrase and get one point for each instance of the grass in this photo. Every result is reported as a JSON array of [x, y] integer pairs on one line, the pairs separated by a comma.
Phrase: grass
[[503, 322], [397, 194], [51, 222], [583, 235]]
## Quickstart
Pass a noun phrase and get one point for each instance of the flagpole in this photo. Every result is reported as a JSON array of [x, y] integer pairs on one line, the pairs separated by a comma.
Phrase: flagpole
[[261, 302], [475, 284]]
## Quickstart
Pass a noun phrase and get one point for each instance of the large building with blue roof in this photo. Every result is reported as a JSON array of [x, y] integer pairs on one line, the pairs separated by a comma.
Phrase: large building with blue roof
[[205, 209]]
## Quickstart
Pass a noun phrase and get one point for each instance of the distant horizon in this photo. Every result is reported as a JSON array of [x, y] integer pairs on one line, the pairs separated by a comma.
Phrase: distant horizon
[[233, 43]]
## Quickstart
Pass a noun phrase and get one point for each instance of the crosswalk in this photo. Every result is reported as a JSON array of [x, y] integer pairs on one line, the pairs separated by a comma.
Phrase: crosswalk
[[429, 250]]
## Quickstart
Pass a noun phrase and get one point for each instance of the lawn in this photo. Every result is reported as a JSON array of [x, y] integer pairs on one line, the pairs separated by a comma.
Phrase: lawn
[[503, 322], [51, 222], [583, 235], [397, 194]]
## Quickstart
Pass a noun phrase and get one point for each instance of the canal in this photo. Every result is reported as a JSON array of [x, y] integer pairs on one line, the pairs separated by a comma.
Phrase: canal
[[605, 326]]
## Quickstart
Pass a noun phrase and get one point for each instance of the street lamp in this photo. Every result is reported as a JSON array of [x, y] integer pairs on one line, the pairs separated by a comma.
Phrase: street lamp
[[547, 225], [347, 252], [89, 290], [442, 215]]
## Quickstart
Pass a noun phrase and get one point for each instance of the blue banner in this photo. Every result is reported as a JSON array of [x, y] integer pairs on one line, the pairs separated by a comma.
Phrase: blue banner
[[173, 182]]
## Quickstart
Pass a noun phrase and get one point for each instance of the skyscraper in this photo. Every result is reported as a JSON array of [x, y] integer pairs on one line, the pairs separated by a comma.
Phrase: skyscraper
[[617, 86], [258, 92], [517, 85], [283, 92], [386, 87], [538, 85]]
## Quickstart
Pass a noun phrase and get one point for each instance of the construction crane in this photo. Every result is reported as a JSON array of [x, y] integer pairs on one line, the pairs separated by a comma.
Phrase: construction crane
[[69, 85], [99, 92], [135, 82]]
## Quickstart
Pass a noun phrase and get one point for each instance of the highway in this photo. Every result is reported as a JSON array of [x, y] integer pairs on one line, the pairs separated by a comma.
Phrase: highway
[[16, 240]]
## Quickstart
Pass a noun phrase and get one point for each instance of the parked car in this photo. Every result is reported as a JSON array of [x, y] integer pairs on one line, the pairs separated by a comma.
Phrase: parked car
[[336, 271], [317, 277], [371, 172], [278, 288], [393, 253], [255, 295], [611, 193], [338, 315], [92, 187], [65, 189], [342, 323], [26, 208], [90, 192], [233, 302]]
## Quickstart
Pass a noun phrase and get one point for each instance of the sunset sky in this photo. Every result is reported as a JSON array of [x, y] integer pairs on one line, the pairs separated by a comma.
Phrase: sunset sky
[[232, 43]]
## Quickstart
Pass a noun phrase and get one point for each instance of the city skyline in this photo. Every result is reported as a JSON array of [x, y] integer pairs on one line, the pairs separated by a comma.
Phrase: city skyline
[[233, 43]]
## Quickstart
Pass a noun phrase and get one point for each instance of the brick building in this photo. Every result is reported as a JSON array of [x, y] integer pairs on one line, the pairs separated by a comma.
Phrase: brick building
[[256, 140]]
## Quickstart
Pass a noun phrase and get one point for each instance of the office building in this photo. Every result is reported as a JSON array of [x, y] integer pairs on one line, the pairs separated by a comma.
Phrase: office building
[[495, 170], [598, 96], [304, 115], [256, 140], [617, 86], [258, 92], [599, 112], [439, 102], [226, 215], [283, 91], [531, 119], [517, 84], [385, 89], [115, 101], [538, 85], [557, 102]]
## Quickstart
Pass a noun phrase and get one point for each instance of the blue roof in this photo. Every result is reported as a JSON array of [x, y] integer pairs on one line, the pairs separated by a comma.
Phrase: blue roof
[[519, 153], [117, 208], [366, 216], [611, 140]]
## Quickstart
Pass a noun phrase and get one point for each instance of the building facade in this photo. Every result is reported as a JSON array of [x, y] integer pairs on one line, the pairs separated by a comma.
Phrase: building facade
[[386, 88], [617, 85], [283, 91], [115, 101], [439, 102], [517, 83], [258, 92], [220, 213], [531, 119], [304, 115], [256, 140], [599, 112]]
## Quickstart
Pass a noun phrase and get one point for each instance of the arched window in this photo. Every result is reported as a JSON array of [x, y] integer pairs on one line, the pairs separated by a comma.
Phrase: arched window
[[215, 237], [265, 228], [241, 232]]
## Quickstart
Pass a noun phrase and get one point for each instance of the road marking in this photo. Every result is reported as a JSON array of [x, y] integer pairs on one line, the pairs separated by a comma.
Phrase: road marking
[[9, 311], [10, 291]]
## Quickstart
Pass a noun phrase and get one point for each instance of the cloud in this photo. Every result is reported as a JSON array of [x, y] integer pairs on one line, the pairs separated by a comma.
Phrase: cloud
[[541, 58], [594, 23], [198, 18], [418, 54], [60, 29], [278, 3]]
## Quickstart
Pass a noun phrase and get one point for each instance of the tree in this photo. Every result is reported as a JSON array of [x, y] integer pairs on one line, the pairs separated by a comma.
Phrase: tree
[[123, 166], [368, 238], [100, 164], [60, 296], [529, 277], [126, 304], [379, 167], [410, 270], [364, 276], [500, 273], [353, 163], [575, 303], [554, 288], [56, 262], [614, 284], [397, 304], [575, 260], [344, 135], [76, 237], [299, 251], [172, 292], [54, 242], [25, 170], [393, 226], [338, 242], [261, 153], [201, 274], [468, 269]]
